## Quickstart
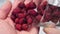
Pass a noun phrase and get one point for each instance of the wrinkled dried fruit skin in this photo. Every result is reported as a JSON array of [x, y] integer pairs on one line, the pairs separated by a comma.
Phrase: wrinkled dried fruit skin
[[21, 15], [16, 11], [21, 20], [17, 20], [42, 7], [32, 12], [52, 14], [31, 5], [38, 17], [24, 15], [24, 26], [21, 5], [18, 27], [29, 20]]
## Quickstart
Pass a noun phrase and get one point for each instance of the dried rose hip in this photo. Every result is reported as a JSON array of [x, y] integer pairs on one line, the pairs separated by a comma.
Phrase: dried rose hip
[[21, 15], [18, 27], [42, 7], [29, 20], [21, 20], [21, 5], [32, 12], [24, 15], [16, 11], [38, 17], [17, 20], [13, 17], [54, 19], [31, 5], [24, 26]]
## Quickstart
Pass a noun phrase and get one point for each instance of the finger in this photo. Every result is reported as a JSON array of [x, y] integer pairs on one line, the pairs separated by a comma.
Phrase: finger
[[10, 22], [5, 9], [27, 1], [49, 27], [33, 30], [5, 28], [36, 2]]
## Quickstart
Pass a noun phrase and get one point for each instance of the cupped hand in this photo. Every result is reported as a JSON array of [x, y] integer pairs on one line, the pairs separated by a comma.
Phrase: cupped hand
[[6, 24]]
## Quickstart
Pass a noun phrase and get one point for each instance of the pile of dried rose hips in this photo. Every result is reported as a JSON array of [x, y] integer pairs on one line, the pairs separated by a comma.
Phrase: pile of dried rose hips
[[25, 15]]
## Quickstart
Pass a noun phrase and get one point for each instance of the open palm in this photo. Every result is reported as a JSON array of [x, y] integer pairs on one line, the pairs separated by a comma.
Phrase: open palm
[[6, 24]]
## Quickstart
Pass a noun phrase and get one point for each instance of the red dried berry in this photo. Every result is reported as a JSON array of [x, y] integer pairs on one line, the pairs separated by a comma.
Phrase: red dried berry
[[16, 11], [48, 16], [18, 27], [17, 20], [29, 20], [54, 19], [38, 17], [21, 15], [21, 20], [32, 12], [31, 5], [56, 13], [21, 5], [24, 26], [13, 17]]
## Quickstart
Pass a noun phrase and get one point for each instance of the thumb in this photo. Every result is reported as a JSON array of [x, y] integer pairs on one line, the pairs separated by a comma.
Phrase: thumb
[[50, 28], [5, 9]]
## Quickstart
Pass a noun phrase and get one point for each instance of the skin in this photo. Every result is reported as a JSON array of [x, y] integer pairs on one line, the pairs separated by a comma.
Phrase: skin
[[6, 24], [51, 29]]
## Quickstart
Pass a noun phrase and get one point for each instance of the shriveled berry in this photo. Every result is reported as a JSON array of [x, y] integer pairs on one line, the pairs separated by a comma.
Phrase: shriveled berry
[[21, 15], [18, 27], [16, 11], [24, 26], [13, 17], [55, 13], [21, 5], [29, 20], [32, 12], [17, 20], [38, 17], [21, 20], [54, 19], [31, 5]]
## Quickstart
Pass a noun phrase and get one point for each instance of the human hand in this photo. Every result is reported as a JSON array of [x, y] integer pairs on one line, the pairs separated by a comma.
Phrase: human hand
[[6, 24], [51, 29]]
